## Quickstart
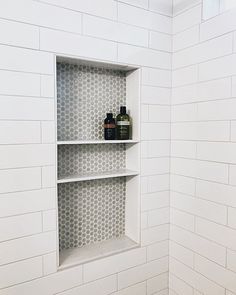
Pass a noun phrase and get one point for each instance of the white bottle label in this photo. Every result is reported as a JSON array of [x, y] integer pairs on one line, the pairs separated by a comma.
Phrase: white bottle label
[[123, 123]]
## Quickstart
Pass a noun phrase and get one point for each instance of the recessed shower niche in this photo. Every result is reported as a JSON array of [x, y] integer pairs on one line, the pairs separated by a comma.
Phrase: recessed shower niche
[[98, 181]]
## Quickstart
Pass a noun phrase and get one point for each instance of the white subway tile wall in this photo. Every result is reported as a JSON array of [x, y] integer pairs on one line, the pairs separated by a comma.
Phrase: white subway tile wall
[[203, 132], [32, 32], [188, 133]]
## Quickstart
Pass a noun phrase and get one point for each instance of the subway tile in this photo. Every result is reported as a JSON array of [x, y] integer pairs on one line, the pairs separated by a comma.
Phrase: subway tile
[[26, 202], [217, 110], [77, 45], [208, 131], [219, 25], [216, 192], [154, 166], [154, 200], [216, 273], [181, 253], [137, 289], [186, 38], [204, 51], [210, 9], [218, 68], [25, 60], [144, 113], [186, 112], [16, 156], [232, 175], [199, 207], [157, 283], [158, 216], [231, 260], [158, 183], [48, 176], [199, 244], [160, 148], [179, 286], [144, 220], [49, 263], [24, 83], [20, 179], [179, 6], [154, 131], [233, 131], [19, 132], [187, 75], [48, 132], [182, 184], [195, 279], [31, 12], [144, 18], [143, 272], [183, 149], [155, 95], [154, 234], [19, 34], [52, 284], [17, 108], [144, 184], [20, 272], [103, 8], [143, 56], [159, 113], [157, 250], [212, 151], [20, 226], [200, 169], [218, 233], [156, 77], [49, 220], [232, 217], [47, 85], [111, 30], [27, 247], [113, 264], [160, 41], [144, 151], [161, 6], [187, 19], [100, 287], [182, 219], [205, 91]]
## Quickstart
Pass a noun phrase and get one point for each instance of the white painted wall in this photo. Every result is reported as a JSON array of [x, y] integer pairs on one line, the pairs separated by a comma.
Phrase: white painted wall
[[137, 32], [203, 154]]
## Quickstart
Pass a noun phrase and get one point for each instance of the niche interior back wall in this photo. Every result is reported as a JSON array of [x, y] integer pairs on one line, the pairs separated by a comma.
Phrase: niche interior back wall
[[136, 32]]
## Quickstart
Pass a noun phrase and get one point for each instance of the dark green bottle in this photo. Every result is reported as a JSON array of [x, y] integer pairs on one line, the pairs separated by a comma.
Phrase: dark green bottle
[[123, 124]]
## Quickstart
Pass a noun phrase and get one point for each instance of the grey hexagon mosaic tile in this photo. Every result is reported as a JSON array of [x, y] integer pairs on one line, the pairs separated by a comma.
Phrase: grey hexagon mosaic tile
[[73, 159], [91, 211], [85, 94]]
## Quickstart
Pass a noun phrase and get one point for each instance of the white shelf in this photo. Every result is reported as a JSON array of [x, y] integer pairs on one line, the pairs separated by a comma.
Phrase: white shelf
[[75, 256], [97, 175], [69, 142]]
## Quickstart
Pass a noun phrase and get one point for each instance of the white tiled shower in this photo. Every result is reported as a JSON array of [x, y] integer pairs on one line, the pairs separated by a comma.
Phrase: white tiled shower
[[186, 53]]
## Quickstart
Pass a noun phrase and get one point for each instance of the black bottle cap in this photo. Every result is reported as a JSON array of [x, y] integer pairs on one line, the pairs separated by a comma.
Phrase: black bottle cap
[[123, 110], [109, 115]]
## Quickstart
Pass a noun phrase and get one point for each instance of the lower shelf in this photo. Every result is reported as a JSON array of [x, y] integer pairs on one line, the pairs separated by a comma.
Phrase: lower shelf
[[97, 175], [75, 256]]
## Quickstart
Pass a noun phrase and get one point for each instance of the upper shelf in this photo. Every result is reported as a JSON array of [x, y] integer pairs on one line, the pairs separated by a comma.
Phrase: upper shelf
[[70, 142]]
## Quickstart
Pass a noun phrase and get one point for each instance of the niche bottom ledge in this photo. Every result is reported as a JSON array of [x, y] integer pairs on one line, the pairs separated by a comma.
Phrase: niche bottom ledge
[[75, 256]]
